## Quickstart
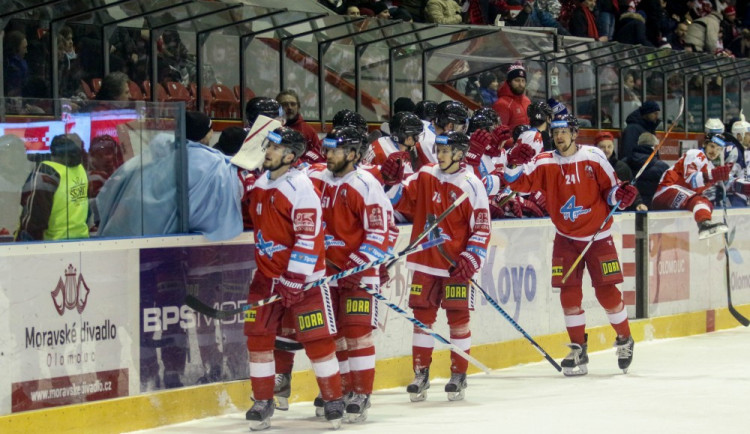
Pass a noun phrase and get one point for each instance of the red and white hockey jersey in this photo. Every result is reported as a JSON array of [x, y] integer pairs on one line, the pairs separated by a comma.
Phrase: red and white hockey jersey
[[533, 138], [579, 189], [691, 172], [490, 171], [431, 191], [357, 216], [286, 215]]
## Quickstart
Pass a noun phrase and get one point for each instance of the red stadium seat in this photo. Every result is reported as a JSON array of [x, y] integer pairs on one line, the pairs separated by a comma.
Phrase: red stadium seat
[[249, 94], [205, 95], [178, 92], [225, 105], [87, 90], [96, 84], [136, 94]]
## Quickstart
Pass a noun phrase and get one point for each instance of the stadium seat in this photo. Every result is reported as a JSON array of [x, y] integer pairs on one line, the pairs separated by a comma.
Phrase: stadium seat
[[207, 98], [249, 94], [146, 85], [178, 92], [136, 94], [87, 90], [96, 84], [225, 105]]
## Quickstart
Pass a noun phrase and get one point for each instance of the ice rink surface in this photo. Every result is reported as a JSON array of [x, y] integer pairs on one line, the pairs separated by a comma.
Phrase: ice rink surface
[[697, 384]]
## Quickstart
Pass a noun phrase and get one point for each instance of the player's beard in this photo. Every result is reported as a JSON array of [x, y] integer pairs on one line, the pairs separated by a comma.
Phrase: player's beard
[[268, 165], [337, 168]]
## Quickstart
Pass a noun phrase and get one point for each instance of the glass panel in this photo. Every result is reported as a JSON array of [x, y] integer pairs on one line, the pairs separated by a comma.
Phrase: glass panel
[[694, 109], [110, 169], [585, 107], [732, 100]]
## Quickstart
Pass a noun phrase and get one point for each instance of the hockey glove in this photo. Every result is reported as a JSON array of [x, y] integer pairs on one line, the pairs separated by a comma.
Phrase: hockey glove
[[522, 153], [501, 137], [248, 181], [466, 266], [352, 281], [626, 194], [529, 208], [478, 144], [502, 207], [291, 288], [312, 157], [721, 173], [385, 277], [392, 169], [539, 199]]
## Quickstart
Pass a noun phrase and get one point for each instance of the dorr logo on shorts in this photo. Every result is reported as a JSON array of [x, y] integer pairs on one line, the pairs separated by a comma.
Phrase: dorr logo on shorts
[[557, 270], [416, 289], [610, 267], [455, 292], [250, 315], [310, 320], [304, 221], [358, 306]]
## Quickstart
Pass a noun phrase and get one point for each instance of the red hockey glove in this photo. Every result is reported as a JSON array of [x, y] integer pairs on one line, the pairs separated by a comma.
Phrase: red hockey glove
[[529, 208], [721, 173], [352, 281], [290, 287], [392, 169], [522, 153], [312, 157], [466, 266], [478, 144], [502, 136], [385, 277], [502, 207], [539, 199], [248, 180], [626, 194]]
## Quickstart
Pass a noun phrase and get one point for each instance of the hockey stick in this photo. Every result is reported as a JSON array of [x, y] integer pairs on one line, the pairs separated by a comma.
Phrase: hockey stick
[[505, 315], [374, 292], [633, 182], [727, 242], [207, 310]]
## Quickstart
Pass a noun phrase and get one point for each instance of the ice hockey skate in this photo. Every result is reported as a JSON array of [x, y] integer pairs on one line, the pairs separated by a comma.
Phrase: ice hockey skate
[[260, 414], [624, 352], [575, 362], [418, 387], [708, 229], [356, 408], [456, 387], [334, 412], [319, 404], [282, 390]]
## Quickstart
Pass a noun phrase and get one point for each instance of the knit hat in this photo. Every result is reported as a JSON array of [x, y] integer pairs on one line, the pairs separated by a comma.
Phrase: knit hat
[[647, 139], [516, 70], [197, 125], [379, 7], [649, 107], [604, 135], [558, 108]]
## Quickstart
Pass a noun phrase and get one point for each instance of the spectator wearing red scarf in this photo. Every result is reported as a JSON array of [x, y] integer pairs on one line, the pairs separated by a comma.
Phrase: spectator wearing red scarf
[[583, 21]]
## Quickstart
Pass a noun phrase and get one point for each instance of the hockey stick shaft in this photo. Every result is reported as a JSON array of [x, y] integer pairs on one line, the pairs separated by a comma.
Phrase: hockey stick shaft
[[505, 315], [735, 313], [203, 308], [617, 205]]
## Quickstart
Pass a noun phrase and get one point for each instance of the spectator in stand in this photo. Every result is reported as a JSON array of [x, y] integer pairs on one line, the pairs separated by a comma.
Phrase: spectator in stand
[[649, 179], [69, 72], [633, 29], [488, 88], [352, 11], [512, 101], [677, 38], [401, 14], [483, 12], [654, 14], [729, 26], [15, 68], [55, 196], [380, 9], [606, 142], [114, 88], [700, 8], [643, 120], [609, 13], [703, 34], [740, 47], [583, 21], [289, 101], [104, 158], [415, 8], [443, 12]]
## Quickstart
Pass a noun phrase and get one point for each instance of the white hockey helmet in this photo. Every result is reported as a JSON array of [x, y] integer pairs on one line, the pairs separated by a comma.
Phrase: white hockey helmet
[[741, 127], [714, 126]]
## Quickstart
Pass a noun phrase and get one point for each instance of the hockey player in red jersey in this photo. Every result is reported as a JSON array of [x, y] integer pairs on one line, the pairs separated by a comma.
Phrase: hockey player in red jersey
[[397, 154], [681, 186], [435, 283], [356, 215], [289, 252], [581, 188]]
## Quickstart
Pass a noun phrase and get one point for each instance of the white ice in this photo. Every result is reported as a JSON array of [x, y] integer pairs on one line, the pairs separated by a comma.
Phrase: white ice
[[697, 384]]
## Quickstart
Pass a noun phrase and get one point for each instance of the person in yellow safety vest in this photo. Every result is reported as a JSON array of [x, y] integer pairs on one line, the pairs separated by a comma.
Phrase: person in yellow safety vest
[[55, 196]]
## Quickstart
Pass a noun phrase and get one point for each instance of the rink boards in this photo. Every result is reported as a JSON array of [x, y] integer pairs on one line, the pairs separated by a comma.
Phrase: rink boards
[[94, 333]]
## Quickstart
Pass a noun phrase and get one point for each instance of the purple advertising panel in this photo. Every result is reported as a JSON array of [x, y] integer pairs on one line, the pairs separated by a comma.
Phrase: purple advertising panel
[[180, 347]]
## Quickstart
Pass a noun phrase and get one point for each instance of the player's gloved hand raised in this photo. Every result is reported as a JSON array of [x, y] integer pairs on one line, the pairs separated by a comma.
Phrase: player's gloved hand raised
[[721, 173], [466, 267], [478, 144], [626, 194], [539, 199], [522, 153], [502, 136], [247, 179], [529, 208], [392, 169], [352, 281], [291, 288]]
